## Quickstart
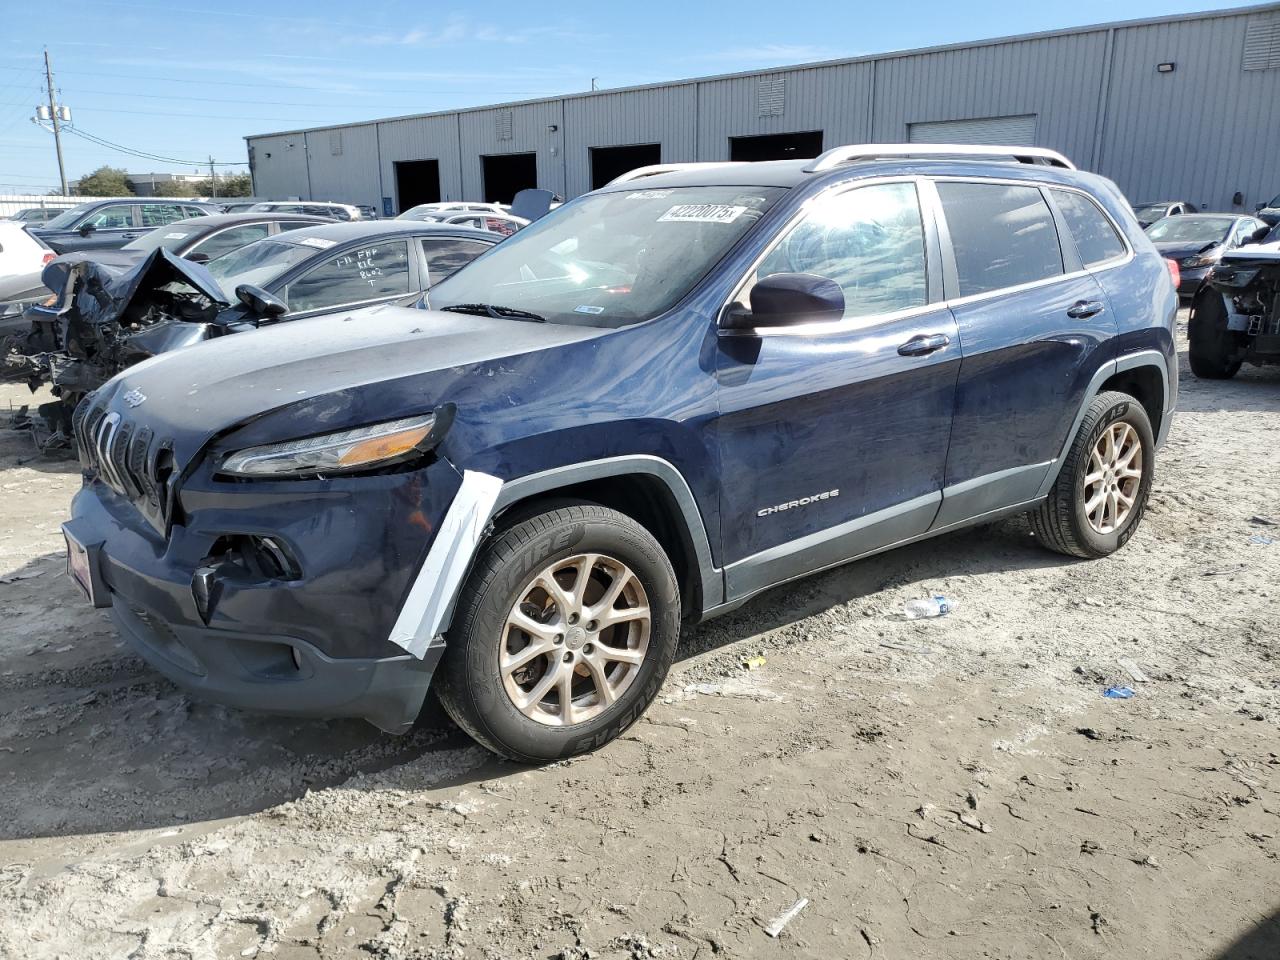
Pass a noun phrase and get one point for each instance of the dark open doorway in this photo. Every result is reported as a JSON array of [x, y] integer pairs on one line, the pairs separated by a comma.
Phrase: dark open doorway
[[776, 146], [417, 181], [610, 162], [507, 174]]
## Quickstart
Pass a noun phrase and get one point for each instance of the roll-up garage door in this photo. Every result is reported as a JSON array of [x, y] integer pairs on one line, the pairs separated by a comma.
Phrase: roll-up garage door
[[1015, 131]]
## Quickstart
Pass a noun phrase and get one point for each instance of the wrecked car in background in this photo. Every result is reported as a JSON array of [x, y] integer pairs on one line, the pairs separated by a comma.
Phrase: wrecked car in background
[[1235, 316], [107, 315]]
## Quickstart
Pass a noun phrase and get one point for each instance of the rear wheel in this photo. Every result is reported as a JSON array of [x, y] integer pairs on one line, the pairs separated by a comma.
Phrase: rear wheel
[[1211, 346], [1101, 492], [563, 634]]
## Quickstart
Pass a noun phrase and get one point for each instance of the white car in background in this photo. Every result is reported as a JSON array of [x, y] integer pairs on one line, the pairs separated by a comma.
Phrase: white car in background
[[503, 223], [316, 208], [438, 211], [22, 259]]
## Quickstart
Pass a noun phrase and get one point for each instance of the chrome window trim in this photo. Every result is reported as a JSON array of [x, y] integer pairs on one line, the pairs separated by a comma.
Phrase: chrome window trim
[[845, 324]]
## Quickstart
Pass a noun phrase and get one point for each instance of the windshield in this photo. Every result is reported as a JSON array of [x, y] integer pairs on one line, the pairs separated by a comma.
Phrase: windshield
[[258, 263], [68, 219], [1187, 229], [610, 259], [170, 237]]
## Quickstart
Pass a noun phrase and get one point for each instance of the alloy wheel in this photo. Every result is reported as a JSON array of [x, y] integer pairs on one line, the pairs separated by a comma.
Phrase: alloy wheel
[[1110, 487], [575, 640]]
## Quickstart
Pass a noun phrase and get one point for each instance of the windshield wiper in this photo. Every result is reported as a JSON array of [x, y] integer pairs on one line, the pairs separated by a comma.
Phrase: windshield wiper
[[490, 310]]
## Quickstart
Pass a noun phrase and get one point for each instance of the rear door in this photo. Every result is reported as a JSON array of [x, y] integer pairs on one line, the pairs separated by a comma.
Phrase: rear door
[[1034, 326]]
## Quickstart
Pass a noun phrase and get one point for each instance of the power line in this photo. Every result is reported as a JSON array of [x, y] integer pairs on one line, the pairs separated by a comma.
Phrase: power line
[[85, 135]]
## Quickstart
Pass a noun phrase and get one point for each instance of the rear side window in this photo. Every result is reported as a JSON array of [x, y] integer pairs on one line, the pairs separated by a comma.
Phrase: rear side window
[[158, 214], [1003, 235], [1096, 239], [224, 241]]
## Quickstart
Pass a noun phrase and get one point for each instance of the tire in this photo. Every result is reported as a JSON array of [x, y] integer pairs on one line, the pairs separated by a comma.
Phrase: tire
[[559, 543], [1211, 346], [1063, 522]]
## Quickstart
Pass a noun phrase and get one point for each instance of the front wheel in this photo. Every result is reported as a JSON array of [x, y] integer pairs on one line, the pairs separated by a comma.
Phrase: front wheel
[[1101, 492], [562, 635], [1211, 347]]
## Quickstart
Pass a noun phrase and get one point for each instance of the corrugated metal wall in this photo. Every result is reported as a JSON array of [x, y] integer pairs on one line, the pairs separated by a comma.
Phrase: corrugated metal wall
[[422, 138], [1201, 133], [665, 115], [279, 166]]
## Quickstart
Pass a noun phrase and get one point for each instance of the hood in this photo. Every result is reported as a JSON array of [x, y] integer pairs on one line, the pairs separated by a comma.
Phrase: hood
[[192, 395], [1178, 249], [115, 279]]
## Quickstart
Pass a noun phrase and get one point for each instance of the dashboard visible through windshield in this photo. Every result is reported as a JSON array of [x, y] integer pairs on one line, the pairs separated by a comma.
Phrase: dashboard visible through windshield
[[608, 259]]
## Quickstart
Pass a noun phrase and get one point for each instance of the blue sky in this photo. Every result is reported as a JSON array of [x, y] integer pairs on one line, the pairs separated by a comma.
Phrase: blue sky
[[184, 82]]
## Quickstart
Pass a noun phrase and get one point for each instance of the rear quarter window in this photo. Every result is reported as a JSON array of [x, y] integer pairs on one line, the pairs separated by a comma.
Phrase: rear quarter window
[[1096, 239], [1003, 235]]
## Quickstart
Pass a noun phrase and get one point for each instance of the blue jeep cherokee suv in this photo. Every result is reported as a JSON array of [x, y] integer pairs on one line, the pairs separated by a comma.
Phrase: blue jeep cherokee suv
[[660, 400]]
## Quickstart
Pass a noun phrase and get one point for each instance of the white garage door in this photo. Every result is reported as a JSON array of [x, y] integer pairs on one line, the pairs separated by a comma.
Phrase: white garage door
[[1014, 131]]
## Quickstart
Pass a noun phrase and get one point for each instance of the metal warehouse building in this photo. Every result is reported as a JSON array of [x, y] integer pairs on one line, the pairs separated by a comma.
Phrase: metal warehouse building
[[1184, 108]]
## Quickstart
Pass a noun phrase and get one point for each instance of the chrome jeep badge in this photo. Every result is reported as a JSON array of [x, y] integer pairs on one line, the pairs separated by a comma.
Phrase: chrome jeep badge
[[135, 398]]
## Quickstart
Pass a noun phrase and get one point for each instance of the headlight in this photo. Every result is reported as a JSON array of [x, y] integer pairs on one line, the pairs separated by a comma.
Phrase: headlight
[[1202, 260], [377, 445]]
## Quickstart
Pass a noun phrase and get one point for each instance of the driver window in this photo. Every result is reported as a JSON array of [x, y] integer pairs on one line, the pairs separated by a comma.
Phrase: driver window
[[112, 218], [869, 240], [367, 273]]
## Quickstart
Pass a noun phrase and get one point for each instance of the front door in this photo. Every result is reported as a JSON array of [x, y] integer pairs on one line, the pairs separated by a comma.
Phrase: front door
[[108, 228], [833, 435], [1034, 327]]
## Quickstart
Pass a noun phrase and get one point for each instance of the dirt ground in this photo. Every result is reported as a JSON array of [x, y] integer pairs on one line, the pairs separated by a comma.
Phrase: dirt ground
[[952, 788]]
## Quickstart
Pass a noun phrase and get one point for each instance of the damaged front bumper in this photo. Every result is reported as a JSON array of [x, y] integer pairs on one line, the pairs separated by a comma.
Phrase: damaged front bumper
[[283, 597]]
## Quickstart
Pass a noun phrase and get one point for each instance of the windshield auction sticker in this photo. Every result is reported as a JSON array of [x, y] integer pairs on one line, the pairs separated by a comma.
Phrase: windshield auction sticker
[[320, 243], [702, 213]]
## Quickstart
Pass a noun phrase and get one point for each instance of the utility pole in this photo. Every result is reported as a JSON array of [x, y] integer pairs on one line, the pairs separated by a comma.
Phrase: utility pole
[[53, 117], [213, 179]]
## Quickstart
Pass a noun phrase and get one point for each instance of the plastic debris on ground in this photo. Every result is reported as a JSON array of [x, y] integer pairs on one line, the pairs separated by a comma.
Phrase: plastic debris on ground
[[754, 663], [1119, 693], [1262, 540], [776, 926], [923, 608]]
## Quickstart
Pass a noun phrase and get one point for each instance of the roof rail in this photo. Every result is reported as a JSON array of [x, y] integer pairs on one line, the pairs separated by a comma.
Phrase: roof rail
[[654, 169], [838, 156]]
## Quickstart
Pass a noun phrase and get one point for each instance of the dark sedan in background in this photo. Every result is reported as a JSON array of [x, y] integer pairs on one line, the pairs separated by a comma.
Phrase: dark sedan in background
[[1270, 211], [1149, 213], [110, 224], [1197, 241]]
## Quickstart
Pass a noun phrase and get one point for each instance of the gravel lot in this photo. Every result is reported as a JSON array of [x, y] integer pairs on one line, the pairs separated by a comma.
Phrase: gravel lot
[[955, 788]]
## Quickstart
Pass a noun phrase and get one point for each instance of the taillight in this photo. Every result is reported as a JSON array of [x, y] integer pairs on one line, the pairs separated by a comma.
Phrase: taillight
[[49, 255], [1174, 273]]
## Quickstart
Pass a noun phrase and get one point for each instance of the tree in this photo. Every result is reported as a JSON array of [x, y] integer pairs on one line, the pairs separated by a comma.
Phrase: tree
[[235, 185], [105, 182], [180, 188]]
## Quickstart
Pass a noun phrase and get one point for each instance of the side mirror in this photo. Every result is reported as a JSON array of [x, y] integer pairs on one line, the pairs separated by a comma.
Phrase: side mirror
[[785, 299], [1257, 236], [261, 303], [199, 258], [87, 229], [1259, 206]]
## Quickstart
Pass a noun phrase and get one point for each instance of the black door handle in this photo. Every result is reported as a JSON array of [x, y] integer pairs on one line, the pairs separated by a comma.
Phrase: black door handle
[[1082, 309], [924, 344]]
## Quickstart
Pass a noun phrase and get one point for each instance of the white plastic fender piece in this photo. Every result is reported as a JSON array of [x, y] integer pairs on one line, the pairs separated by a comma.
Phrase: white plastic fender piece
[[422, 616]]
